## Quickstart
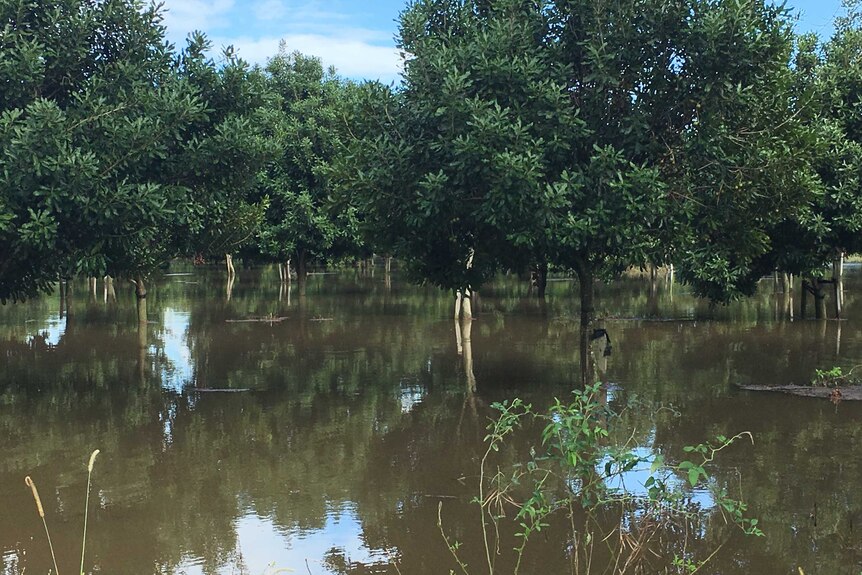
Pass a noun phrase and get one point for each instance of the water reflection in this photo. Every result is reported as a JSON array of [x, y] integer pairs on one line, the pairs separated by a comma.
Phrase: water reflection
[[47, 333], [338, 544], [176, 364], [362, 414]]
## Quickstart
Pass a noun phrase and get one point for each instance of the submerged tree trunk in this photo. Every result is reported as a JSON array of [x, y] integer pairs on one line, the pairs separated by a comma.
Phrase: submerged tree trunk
[[585, 281], [63, 291], [820, 303], [467, 343], [110, 293], [287, 272], [141, 296], [584, 352], [301, 270], [838, 284], [541, 279], [228, 261], [142, 339], [815, 287], [467, 305], [803, 300]]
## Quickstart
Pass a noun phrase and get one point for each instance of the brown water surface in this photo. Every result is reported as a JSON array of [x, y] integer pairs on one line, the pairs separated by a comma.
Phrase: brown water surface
[[361, 416]]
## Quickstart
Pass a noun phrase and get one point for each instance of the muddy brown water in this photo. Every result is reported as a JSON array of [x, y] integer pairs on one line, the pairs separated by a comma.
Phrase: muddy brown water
[[355, 417]]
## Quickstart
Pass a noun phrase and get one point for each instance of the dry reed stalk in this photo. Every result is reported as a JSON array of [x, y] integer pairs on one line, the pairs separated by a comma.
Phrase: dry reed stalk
[[32, 485], [87, 507]]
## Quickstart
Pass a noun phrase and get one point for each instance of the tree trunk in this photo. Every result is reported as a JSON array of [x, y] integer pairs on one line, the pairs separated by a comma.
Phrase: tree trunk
[[467, 305], [815, 287], [228, 260], [142, 337], [820, 303], [62, 291], [140, 287], [458, 299], [388, 264], [287, 271], [110, 292], [584, 349], [653, 279], [541, 279], [93, 284], [803, 300], [70, 300], [301, 268], [467, 342], [585, 280], [838, 283]]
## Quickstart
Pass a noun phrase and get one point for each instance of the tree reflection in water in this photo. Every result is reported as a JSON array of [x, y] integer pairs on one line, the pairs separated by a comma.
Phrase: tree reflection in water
[[357, 426]]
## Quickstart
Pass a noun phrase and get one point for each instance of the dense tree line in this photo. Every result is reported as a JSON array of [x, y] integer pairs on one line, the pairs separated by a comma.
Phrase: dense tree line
[[524, 134]]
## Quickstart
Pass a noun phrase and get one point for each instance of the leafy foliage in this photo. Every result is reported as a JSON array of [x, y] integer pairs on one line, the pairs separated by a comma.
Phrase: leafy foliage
[[592, 138], [308, 129], [577, 469], [116, 153]]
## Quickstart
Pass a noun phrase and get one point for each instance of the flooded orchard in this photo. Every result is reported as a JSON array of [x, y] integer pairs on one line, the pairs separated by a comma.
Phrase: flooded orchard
[[247, 427]]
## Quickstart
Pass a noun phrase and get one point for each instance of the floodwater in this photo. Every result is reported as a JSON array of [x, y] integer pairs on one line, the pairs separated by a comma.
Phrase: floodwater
[[354, 417]]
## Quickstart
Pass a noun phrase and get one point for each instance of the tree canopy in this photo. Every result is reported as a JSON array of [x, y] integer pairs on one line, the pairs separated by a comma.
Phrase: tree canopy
[[116, 150], [587, 137], [595, 139]]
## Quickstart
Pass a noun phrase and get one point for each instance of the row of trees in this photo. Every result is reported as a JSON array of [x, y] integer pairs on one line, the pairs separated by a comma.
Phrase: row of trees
[[596, 137], [589, 137], [121, 153]]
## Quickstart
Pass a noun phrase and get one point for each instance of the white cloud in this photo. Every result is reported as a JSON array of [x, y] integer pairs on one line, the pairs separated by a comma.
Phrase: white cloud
[[314, 27], [270, 10], [351, 57], [184, 16]]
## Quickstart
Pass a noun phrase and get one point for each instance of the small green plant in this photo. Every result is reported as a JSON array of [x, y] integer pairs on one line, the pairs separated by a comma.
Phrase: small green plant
[[41, 510], [834, 377], [578, 471]]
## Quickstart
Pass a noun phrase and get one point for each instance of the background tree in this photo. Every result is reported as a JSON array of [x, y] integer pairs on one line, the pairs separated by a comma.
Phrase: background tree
[[455, 173], [116, 153], [308, 129], [81, 125], [827, 224], [593, 137]]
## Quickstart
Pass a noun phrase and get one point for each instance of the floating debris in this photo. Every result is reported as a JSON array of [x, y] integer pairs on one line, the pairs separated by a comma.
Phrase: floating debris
[[849, 393], [268, 319]]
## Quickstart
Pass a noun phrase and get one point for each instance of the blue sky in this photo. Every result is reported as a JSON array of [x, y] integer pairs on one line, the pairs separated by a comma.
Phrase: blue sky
[[354, 36]]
